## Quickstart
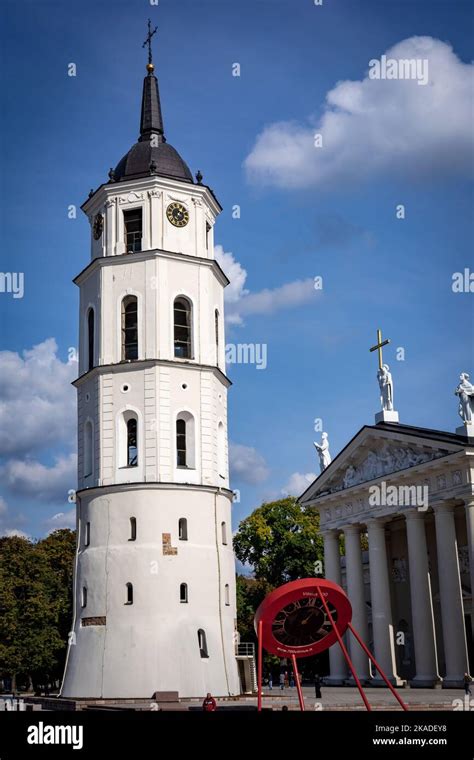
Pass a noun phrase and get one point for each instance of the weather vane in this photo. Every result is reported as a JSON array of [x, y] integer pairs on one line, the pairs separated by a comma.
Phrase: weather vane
[[148, 41]]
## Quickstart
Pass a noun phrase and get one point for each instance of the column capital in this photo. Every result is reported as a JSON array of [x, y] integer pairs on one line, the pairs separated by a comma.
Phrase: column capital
[[443, 507], [331, 533], [469, 501], [353, 529], [378, 522], [414, 514]]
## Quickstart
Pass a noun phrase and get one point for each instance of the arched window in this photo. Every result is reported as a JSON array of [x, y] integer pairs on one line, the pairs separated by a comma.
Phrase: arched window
[[88, 449], [132, 448], [185, 448], [87, 537], [224, 533], [182, 328], [181, 443], [227, 595], [84, 596], [129, 328], [183, 529], [129, 588], [90, 339], [133, 529], [216, 330], [183, 593], [202, 643], [221, 450]]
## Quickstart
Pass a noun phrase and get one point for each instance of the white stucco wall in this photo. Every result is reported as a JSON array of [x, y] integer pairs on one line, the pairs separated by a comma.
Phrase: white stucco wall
[[133, 650]]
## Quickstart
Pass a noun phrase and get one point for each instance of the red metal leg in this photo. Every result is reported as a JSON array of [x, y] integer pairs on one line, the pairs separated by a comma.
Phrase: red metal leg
[[298, 685], [344, 650], [374, 661], [259, 667]]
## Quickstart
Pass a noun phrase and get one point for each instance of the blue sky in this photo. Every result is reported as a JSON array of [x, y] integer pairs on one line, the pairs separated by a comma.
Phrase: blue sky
[[303, 214]]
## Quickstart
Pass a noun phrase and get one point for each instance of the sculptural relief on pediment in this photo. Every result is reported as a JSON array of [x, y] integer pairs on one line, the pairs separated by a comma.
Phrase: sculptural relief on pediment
[[389, 459]]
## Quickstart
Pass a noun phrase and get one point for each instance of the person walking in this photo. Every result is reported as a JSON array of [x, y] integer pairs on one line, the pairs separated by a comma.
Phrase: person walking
[[270, 682], [292, 680], [467, 684], [282, 681], [317, 686], [209, 704]]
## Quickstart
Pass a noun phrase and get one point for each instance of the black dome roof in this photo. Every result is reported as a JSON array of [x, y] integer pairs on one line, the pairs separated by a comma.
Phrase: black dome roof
[[151, 154], [143, 158]]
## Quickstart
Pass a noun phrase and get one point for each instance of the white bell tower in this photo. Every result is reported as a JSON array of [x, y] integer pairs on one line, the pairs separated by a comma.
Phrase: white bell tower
[[155, 606]]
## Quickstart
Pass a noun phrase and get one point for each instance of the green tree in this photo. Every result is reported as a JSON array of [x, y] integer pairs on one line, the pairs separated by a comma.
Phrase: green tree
[[35, 605], [59, 549], [250, 593], [281, 541]]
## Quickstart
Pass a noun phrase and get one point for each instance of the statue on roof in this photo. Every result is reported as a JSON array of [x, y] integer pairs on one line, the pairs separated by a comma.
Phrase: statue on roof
[[465, 392], [323, 452], [384, 377]]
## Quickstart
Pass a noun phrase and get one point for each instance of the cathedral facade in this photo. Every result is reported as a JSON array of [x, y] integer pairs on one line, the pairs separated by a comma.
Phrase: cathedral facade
[[402, 498]]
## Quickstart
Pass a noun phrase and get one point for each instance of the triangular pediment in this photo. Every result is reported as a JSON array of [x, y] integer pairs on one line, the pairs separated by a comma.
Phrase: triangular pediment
[[378, 451]]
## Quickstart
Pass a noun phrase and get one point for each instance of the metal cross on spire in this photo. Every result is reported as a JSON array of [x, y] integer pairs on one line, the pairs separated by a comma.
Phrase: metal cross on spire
[[148, 40], [379, 345]]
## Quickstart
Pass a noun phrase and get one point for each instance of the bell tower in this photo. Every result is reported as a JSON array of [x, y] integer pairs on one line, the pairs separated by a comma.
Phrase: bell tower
[[154, 592]]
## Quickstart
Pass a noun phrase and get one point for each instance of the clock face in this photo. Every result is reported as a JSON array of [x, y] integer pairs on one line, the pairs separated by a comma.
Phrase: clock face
[[303, 622], [177, 214], [293, 619], [98, 226]]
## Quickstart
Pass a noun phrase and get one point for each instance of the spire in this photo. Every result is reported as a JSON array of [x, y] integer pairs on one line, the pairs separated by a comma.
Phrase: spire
[[151, 154], [151, 120]]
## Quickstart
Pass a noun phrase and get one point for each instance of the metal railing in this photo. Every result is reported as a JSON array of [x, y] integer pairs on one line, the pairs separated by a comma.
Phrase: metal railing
[[246, 649]]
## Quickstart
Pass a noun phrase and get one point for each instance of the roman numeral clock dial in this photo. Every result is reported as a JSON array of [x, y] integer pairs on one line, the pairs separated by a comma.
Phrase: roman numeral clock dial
[[303, 622], [177, 214], [296, 621]]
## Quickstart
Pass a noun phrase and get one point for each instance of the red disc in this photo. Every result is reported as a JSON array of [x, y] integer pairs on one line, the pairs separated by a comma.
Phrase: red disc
[[295, 621]]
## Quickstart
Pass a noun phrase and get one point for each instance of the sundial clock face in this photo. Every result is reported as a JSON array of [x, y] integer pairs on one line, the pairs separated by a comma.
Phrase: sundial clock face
[[177, 214], [98, 226], [294, 618]]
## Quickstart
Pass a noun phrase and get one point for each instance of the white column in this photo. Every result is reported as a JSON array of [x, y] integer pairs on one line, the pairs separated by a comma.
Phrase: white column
[[332, 571], [155, 220], [421, 602], [452, 611], [469, 507], [110, 210], [356, 594], [382, 624]]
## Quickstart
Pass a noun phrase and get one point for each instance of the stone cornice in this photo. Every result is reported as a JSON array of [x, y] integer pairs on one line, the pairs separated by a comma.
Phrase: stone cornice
[[154, 485], [127, 258], [103, 369], [112, 189]]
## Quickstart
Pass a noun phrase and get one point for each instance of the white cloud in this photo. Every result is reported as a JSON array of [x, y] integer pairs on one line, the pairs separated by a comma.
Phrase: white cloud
[[373, 126], [7, 525], [235, 273], [61, 520], [269, 301], [241, 302], [37, 401], [247, 465], [15, 532], [31, 478], [298, 483]]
